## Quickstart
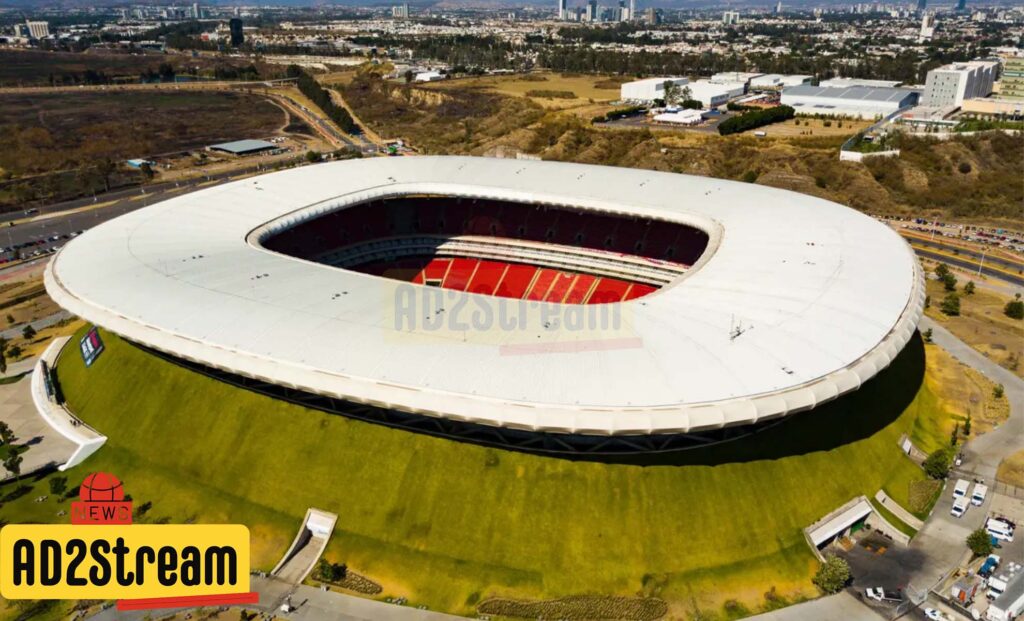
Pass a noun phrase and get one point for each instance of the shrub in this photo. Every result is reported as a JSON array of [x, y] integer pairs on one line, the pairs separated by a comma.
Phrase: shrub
[[969, 288], [964, 168], [980, 542], [832, 575], [949, 281], [998, 391], [1014, 309], [937, 464], [950, 305]]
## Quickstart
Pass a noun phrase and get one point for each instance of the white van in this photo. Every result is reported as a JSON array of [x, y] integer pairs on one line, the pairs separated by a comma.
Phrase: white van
[[978, 496], [960, 490], [999, 529], [959, 508]]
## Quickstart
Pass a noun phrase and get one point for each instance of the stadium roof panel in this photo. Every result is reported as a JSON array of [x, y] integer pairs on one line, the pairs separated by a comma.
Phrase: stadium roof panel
[[796, 301]]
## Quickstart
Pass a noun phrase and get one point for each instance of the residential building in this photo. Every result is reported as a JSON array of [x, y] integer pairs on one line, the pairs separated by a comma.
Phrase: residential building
[[730, 17], [38, 30]]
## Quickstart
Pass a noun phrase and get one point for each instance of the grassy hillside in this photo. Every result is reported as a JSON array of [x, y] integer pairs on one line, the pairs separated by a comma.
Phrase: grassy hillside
[[969, 177], [448, 524]]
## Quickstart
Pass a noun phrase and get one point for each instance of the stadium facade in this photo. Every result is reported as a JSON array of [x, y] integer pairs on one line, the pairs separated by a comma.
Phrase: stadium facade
[[539, 305]]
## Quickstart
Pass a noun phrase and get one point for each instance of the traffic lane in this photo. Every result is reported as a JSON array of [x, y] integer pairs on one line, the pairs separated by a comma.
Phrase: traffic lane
[[1007, 263], [967, 265]]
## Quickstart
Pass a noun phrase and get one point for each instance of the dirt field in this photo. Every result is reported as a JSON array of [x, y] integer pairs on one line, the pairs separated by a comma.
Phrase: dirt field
[[588, 89], [982, 324], [814, 127], [56, 132]]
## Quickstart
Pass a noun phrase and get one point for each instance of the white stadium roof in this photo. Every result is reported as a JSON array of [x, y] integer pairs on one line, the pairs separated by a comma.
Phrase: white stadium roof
[[796, 301]]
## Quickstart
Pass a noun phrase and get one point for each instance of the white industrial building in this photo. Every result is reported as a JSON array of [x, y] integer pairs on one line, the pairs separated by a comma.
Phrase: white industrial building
[[1009, 605], [777, 81], [682, 117], [729, 77], [951, 84], [712, 94], [649, 89], [848, 82], [862, 102]]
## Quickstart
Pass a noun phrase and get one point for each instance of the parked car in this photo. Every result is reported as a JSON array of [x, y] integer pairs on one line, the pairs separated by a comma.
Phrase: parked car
[[959, 508], [933, 614]]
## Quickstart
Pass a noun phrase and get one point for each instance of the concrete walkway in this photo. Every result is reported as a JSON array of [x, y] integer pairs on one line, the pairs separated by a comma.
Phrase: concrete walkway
[[38, 324], [984, 452], [839, 607], [46, 446]]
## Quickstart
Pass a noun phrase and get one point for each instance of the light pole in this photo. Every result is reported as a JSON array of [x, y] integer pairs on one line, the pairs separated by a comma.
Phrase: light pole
[[982, 265]]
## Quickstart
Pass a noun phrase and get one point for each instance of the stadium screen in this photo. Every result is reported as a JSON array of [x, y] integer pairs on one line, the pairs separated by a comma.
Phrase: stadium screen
[[91, 346]]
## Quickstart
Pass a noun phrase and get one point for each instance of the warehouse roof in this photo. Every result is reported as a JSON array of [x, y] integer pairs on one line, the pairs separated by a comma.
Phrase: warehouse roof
[[241, 147], [850, 93]]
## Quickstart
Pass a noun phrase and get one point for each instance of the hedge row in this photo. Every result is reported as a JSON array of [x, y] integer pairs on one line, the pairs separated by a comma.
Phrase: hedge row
[[618, 113], [318, 95], [758, 118]]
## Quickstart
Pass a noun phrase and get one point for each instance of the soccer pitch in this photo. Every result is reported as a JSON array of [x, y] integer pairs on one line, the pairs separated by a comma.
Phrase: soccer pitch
[[447, 524]]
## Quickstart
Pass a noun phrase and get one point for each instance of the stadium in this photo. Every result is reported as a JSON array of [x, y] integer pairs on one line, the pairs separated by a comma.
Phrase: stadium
[[541, 306]]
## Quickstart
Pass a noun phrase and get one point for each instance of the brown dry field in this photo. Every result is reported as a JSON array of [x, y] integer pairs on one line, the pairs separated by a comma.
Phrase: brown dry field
[[964, 392], [1011, 470], [981, 323]]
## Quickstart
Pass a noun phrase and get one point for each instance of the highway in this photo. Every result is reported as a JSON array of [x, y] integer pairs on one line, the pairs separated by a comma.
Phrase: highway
[[990, 257], [971, 266]]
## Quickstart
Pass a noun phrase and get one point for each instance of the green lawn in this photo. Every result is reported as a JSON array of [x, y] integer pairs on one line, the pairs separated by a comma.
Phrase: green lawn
[[446, 524]]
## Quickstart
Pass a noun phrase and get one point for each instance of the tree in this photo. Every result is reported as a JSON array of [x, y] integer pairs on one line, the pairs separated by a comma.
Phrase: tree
[[58, 485], [955, 435], [1014, 309], [12, 463], [927, 335], [105, 168], [3, 355], [969, 288], [998, 391], [949, 282], [832, 575], [672, 93], [313, 156], [147, 171], [980, 542], [937, 464], [941, 271], [950, 305], [408, 75], [29, 332], [6, 434], [10, 319], [967, 426]]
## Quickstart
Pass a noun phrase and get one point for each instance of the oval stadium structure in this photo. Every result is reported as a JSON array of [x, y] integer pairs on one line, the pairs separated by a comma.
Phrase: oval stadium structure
[[539, 305]]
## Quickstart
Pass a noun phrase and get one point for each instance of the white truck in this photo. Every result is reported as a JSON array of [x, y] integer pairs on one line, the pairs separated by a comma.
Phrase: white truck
[[960, 489], [959, 508], [978, 495], [999, 529]]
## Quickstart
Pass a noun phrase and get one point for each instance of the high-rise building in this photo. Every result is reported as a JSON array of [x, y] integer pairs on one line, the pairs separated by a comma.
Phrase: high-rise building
[[922, 5], [927, 27], [652, 16], [592, 14], [951, 84], [778, 8], [196, 11], [961, 6], [38, 30], [730, 17], [401, 11], [633, 15], [562, 10], [237, 36]]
